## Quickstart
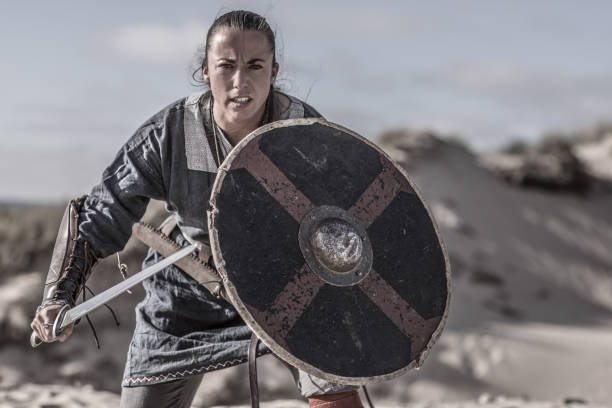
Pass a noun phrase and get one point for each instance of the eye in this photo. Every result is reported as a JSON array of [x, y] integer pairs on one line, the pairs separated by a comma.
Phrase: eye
[[226, 66], [255, 66]]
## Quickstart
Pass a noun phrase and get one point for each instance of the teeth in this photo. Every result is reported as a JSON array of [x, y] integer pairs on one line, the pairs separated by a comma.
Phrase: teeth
[[241, 100]]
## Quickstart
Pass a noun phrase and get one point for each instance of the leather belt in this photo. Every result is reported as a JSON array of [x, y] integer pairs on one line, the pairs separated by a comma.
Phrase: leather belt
[[196, 266]]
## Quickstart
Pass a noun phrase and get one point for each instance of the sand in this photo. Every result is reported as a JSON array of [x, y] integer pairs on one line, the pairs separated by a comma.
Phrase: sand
[[530, 321]]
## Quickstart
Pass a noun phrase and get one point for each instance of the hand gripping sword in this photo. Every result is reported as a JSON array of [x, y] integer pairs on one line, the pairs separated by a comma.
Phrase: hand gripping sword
[[68, 315]]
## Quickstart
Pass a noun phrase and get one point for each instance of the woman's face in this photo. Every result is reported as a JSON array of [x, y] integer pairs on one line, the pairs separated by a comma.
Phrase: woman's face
[[239, 72]]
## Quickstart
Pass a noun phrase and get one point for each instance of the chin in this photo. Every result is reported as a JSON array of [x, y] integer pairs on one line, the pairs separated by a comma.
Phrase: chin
[[240, 116], [244, 115]]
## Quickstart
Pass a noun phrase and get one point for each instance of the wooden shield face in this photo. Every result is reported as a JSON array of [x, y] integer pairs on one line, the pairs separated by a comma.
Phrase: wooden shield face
[[328, 252]]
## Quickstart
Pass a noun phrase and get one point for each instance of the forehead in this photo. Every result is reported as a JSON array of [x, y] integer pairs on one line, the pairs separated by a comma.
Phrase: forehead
[[235, 45]]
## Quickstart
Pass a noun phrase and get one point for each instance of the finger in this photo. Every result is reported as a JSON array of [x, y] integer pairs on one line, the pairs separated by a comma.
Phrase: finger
[[46, 334], [35, 328], [43, 324], [48, 314], [44, 320], [47, 327], [66, 333], [39, 318], [40, 331]]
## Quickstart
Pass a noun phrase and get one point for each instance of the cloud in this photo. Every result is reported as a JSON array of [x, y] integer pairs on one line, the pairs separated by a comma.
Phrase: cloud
[[525, 101], [356, 19], [507, 82], [159, 44]]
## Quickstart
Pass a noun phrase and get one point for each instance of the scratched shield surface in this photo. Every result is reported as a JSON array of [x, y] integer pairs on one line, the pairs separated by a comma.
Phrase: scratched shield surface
[[328, 252]]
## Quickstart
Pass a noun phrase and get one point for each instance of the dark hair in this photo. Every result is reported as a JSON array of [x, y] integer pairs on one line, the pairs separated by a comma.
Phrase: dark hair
[[239, 20]]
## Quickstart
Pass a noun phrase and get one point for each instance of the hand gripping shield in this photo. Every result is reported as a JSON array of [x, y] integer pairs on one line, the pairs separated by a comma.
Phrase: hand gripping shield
[[328, 252]]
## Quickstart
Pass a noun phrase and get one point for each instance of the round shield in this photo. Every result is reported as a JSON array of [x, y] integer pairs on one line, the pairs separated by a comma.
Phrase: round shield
[[328, 252]]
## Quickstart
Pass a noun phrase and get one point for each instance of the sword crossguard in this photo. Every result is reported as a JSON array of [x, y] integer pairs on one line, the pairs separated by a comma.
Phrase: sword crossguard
[[59, 319]]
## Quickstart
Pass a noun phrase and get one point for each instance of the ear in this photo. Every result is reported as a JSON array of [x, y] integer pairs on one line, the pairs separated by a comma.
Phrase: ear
[[205, 75], [274, 72]]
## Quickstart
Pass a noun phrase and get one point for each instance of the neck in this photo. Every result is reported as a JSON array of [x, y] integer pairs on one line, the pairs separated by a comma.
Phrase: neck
[[236, 131]]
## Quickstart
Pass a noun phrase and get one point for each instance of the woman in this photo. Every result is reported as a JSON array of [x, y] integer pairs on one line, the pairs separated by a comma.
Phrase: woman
[[182, 331]]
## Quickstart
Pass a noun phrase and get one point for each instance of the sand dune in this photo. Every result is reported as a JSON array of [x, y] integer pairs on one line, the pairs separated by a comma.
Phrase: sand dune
[[532, 286], [530, 317]]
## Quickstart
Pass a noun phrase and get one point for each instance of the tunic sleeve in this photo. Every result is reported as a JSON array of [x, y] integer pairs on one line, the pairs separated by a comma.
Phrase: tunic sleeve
[[134, 177]]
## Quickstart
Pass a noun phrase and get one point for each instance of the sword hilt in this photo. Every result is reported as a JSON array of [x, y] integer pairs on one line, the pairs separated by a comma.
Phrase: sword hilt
[[57, 329], [35, 341], [92, 303]]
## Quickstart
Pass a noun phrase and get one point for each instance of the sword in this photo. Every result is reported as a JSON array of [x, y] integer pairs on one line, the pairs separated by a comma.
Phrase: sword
[[67, 315]]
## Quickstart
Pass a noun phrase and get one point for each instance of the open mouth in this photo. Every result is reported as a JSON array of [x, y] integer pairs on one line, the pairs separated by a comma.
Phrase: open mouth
[[241, 100]]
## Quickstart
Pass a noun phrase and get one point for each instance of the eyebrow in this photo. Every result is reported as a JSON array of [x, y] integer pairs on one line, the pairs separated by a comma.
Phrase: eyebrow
[[251, 61]]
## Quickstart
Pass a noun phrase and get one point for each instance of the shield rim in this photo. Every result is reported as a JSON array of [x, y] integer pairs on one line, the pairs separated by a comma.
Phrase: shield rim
[[243, 310]]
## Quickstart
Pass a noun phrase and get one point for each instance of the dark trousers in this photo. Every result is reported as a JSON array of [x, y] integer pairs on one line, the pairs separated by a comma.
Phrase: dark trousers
[[179, 394]]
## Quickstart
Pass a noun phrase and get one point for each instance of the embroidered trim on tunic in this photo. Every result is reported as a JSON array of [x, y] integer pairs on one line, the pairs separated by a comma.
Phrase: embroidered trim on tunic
[[180, 374], [295, 110], [197, 150]]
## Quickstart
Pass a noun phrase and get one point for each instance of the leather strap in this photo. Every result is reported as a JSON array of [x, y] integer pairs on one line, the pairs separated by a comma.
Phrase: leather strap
[[349, 399], [253, 371], [192, 265], [71, 262], [169, 226], [367, 395]]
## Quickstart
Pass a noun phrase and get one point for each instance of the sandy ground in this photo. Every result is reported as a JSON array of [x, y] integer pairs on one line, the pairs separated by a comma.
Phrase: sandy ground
[[58, 396], [530, 316]]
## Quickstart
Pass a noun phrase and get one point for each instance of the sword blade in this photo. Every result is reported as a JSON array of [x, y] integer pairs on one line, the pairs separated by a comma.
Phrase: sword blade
[[83, 308]]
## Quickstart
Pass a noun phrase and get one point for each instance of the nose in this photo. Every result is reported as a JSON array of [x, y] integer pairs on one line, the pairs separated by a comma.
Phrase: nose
[[240, 79]]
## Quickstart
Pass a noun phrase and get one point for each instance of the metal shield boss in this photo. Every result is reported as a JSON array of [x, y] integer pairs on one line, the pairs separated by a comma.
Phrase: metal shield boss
[[328, 252]]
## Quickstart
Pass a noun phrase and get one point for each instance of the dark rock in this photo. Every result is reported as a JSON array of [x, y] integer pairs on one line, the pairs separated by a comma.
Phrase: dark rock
[[575, 400], [551, 166], [480, 276]]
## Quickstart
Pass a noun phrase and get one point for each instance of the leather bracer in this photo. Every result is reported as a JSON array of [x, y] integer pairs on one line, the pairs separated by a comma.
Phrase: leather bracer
[[71, 262]]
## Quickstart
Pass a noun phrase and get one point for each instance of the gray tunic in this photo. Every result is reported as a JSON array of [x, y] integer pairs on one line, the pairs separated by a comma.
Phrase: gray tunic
[[181, 329]]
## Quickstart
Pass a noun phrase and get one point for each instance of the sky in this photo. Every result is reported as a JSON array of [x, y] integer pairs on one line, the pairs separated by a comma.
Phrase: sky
[[77, 78]]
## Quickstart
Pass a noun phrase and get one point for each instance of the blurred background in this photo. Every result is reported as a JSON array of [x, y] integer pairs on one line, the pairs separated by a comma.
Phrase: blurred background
[[499, 111]]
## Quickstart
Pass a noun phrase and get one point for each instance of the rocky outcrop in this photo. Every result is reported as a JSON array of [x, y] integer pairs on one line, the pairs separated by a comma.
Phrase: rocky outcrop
[[551, 165], [577, 161], [596, 154], [409, 147]]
